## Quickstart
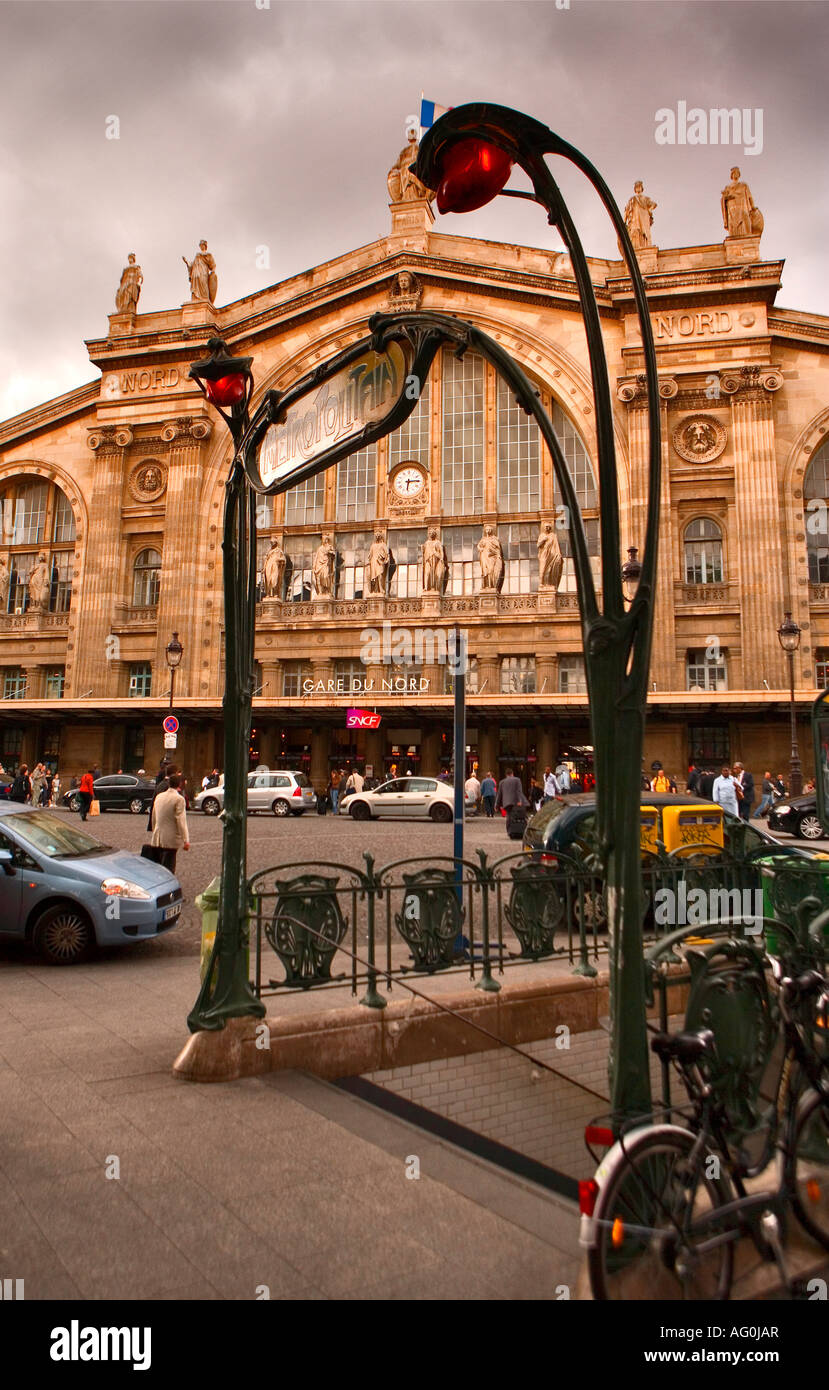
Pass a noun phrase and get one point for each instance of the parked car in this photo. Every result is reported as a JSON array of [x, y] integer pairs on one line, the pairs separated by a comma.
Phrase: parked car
[[58, 886], [118, 792], [405, 797], [283, 793], [5, 788], [797, 815]]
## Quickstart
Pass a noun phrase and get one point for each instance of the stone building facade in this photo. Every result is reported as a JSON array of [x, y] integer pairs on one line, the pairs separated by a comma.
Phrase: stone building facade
[[119, 485]]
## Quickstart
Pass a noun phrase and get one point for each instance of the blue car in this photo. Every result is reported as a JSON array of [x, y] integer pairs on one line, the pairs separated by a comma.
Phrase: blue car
[[64, 891]]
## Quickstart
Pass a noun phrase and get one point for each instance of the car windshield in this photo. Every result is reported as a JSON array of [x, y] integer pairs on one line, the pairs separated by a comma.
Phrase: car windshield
[[52, 837]]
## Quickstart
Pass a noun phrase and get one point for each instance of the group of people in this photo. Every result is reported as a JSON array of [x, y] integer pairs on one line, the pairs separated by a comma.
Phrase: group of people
[[490, 796], [41, 787], [342, 783]]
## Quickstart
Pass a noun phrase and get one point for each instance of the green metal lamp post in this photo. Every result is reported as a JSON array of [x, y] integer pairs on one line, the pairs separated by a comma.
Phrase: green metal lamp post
[[467, 157], [227, 383]]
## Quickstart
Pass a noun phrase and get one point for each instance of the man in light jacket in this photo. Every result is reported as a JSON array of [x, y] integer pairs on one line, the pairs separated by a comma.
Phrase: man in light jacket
[[170, 832], [724, 792]]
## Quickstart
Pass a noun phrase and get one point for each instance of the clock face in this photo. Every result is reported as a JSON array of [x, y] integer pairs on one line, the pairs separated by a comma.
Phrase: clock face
[[408, 483]]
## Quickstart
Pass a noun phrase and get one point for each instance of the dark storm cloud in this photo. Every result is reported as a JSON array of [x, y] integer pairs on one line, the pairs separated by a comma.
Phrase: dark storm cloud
[[276, 127]]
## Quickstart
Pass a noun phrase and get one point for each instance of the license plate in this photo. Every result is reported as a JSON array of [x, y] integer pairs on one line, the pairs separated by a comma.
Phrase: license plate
[[171, 912]]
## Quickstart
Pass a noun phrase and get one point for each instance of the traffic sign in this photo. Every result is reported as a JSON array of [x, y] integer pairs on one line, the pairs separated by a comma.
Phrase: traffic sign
[[171, 725], [170, 740]]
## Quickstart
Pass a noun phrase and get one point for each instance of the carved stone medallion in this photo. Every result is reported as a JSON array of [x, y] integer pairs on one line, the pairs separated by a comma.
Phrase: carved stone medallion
[[699, 439], [148, 481]]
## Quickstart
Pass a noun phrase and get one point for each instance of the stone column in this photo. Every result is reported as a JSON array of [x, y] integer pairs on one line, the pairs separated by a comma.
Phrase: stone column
[[663, 651], [489, 671], [183, 575], [320, 739], [487, 750], [758, 518], [96, 666], [546, 673], [430, 752], [545, 752], [35, 682], [271, 680], [374, 751]]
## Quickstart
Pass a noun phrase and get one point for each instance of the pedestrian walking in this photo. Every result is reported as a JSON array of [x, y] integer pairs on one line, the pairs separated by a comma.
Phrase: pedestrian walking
[[472, 788], [705, 786], [745, 781], [354, 782], [661, 782], [169, 822], [488, 790], [767, 799], [54, 790], [162, 784], [725, 791], [510, 797], [563, 778], [21, 788], [37, 780], [692, 782], [86, 792], [550, 784], [334, 788]]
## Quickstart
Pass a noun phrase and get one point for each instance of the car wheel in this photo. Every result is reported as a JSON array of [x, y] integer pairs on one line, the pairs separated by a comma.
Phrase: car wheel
[[137, 806], [210, 806], [281, 807], [810, 828], [359, 811], [74, 803], [440, 812], [63, 935]]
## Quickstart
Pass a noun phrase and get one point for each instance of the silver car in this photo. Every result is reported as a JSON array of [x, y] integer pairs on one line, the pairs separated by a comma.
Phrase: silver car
[[283, 793], [423, 798]]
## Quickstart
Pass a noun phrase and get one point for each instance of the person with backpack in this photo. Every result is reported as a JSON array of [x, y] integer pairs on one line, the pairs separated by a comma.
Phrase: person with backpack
[[86, 792], [514, 803], [21, 786], [661, 782]]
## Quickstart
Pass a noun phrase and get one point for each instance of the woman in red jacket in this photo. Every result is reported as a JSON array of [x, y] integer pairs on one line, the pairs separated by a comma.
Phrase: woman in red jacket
[[86, 791]]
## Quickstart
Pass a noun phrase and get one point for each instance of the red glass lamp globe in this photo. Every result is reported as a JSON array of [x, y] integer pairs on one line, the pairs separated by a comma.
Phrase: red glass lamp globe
[[227, 390], [473, 172]]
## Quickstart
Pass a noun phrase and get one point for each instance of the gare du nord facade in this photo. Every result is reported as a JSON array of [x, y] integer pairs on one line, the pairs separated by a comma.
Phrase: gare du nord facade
[[119, 484]]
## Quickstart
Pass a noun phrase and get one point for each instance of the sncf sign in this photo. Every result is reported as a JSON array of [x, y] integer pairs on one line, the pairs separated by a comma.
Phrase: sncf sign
[[362, 719]]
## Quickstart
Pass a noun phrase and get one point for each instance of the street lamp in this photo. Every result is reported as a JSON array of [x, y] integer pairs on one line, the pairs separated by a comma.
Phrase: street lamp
[[226, 382], [631, 574], [789, 636], [173, 652], [467, 157]]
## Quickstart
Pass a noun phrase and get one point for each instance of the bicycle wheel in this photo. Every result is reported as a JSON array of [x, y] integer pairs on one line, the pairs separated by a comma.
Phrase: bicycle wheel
[[651, 1241], [807, 1166]]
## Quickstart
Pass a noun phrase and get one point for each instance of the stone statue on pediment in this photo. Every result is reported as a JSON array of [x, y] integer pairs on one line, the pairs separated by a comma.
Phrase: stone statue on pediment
[[434, 563], [739, 214], [406, 293], [202, 271], [325, 559], [377, 567], [403, 186], [639, 217], [550, 558], [273, 572], [39, 584], [126, 296], [4, 584], [491, 557]]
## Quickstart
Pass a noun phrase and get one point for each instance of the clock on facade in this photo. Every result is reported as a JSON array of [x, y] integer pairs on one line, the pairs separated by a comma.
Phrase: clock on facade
[[408, 483]]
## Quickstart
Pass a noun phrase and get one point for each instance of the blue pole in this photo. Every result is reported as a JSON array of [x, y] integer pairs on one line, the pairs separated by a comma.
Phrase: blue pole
[[459, 662]]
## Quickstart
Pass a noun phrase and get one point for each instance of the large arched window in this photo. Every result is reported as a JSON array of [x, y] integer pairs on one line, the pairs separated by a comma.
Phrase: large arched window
[[703, 552], [464, 434], [37, 519], [146, 573], [816, 497]]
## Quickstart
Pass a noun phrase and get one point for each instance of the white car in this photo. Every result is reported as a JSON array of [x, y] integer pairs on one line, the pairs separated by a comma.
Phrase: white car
[[283, 793], [407, 797]]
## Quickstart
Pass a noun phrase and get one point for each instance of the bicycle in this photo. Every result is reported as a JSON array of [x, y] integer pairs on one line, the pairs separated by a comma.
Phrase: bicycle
[[668, 1204]]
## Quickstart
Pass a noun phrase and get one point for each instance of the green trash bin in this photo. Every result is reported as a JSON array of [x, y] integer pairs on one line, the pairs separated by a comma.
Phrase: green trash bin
[[208, 904], [786, 881]]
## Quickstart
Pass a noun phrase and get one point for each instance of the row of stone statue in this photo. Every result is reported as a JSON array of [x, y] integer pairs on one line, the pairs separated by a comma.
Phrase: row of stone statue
[[434, 564], [739, 214], [201, 271], [39, 584]]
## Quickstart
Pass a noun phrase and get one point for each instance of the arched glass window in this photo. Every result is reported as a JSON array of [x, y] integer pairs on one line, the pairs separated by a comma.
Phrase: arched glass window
[[146, 573], [37, 519], [816, 497], [581, 468], [703, 552], [519, 455], [464, 434]]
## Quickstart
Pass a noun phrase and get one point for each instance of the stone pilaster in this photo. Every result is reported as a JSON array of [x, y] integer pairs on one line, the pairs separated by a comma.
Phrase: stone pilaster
[[430, 752], [663, 652], [758, 518], [546, 672], [35, 681], [182, 572], [489, 673], [97, 667], [320, 739], [271, 679]]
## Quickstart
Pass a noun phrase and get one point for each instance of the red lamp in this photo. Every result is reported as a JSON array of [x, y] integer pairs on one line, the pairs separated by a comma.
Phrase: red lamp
[[228, 390], [473, 172], [225, 381]]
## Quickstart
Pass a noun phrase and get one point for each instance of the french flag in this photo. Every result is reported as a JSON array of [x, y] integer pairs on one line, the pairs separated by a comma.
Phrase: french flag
[[429, 112]]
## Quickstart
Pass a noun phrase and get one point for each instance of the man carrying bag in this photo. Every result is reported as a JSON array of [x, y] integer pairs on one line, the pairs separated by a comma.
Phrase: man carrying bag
[[170, 832]]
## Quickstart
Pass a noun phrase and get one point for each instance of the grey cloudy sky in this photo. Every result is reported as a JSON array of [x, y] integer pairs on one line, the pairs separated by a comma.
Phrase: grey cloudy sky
[[276, 126]]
